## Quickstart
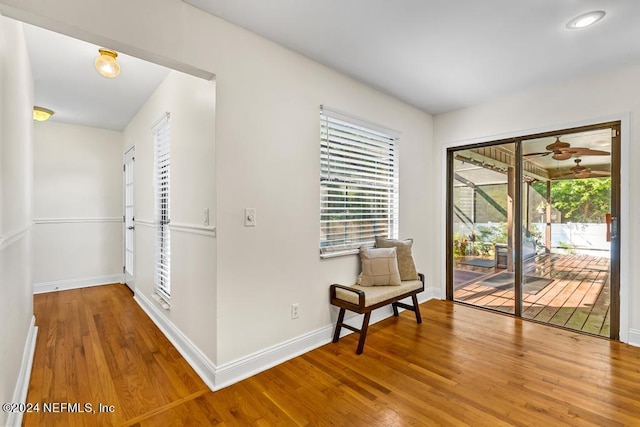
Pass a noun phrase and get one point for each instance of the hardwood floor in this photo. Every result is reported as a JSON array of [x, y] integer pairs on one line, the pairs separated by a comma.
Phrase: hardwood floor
[[460, 366], [95, 345]]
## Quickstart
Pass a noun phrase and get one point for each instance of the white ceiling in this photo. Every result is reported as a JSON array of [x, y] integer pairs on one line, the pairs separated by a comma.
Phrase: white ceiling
[[66, 81], [438, 55], [442, 55]]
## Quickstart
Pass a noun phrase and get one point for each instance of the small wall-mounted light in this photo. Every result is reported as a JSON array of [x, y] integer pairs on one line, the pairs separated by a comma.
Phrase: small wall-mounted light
[[107, 64], [41, 114]]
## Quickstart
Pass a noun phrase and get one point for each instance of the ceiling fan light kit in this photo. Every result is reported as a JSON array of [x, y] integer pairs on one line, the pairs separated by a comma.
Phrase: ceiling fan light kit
[[562, 156], [557, 145]]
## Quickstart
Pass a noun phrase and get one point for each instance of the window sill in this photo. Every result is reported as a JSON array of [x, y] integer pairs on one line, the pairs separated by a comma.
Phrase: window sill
[[329, 255], [160, 300]]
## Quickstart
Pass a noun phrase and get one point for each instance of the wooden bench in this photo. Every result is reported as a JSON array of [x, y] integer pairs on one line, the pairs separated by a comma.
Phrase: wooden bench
[[365, 299]]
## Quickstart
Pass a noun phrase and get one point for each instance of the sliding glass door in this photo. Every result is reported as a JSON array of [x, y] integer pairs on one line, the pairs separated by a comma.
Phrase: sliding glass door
[[483, 183], [533, 227]]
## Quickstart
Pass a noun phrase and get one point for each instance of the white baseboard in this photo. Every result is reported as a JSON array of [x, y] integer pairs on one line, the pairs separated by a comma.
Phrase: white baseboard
[[245, 367], [255, 363], [82, 282], [22, 385], [192, 354], [217, 377], [634, 337], [429, 294]]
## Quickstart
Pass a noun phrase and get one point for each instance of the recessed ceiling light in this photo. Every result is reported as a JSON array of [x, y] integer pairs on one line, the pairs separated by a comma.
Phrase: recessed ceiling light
[[585, 20], [41, 114]]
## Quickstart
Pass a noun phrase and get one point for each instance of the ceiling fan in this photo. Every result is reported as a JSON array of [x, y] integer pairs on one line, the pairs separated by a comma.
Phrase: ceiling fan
[[563, 151], [579, 171]]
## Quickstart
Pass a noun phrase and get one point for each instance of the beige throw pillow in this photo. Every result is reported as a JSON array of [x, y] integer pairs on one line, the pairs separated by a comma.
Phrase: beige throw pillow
[[406, 264], [379, 267]]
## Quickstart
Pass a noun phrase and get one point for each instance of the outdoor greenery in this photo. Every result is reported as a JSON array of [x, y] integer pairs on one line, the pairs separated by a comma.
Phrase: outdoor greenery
[[585, 201], [480, 241], [580, 200]]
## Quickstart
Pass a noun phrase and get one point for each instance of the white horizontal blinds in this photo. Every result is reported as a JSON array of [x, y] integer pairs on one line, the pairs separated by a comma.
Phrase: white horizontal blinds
[[162, 152], [358, 183]]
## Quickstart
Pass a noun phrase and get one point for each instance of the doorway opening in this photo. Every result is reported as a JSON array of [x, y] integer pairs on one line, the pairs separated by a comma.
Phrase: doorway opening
[[128, 216], [532, 227]]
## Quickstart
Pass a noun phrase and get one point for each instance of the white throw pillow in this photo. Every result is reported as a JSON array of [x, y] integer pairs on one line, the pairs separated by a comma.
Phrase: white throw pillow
[[379, 267]]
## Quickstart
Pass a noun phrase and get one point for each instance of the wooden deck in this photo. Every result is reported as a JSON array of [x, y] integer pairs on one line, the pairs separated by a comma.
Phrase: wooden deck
[[576, 297]]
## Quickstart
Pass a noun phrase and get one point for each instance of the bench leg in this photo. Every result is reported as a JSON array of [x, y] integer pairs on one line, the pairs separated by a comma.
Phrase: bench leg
[[395, 309], [414, 297], [363, 332], [336, 333]]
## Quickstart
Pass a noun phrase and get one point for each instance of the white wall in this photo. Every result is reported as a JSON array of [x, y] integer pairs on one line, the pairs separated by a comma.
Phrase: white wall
[[77, 237], [268, 152], [614, 95], [267, 157], [16, 307], [191, 104]]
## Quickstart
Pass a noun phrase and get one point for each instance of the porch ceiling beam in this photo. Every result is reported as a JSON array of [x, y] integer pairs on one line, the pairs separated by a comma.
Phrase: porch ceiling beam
[[501, 160]]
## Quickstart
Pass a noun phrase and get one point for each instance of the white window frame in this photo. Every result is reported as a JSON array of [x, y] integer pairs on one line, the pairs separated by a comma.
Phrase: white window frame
[[359, 190], [162, 182]]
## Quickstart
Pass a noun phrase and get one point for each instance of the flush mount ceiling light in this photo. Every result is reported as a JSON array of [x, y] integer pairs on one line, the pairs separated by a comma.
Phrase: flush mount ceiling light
[[41, 114], [107, 64], [585, 20]]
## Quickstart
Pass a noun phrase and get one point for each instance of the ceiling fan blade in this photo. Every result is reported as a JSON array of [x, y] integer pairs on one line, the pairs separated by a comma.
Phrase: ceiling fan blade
[[544, 153], [583, 151], [600, 173]]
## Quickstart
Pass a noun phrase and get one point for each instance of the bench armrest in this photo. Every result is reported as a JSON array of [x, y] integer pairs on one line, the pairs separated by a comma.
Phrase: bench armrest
[[332, 291]]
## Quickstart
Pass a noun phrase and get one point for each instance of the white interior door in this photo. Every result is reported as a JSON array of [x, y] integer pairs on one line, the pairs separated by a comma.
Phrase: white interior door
[[129, 218]]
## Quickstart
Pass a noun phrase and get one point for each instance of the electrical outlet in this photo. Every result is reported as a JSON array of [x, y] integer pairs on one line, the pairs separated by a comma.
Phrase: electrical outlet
[[295, 313]]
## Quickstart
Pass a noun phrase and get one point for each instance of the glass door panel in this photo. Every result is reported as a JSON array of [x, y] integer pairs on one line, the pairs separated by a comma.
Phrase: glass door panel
[[566, 246], [532, 228], [482, 183]]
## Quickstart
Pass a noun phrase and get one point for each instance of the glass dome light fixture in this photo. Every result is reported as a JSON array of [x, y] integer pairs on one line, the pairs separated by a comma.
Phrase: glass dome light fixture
[[41, 114], [107, 64], [585, 20]]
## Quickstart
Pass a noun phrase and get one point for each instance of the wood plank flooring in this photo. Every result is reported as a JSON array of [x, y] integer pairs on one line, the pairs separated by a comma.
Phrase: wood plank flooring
[[461, 366], [95, 345], [578, 296]]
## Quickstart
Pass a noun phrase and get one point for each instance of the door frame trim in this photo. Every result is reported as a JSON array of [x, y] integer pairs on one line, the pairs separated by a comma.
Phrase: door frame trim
[[129, 154], [624, 221]]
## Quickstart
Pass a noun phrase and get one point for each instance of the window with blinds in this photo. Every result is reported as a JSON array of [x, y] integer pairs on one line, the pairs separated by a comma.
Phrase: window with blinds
[[358, 183], [162, 203]]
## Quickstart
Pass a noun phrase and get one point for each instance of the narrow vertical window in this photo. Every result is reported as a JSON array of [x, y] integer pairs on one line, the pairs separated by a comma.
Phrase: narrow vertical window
[[162, 156], [358, 183]]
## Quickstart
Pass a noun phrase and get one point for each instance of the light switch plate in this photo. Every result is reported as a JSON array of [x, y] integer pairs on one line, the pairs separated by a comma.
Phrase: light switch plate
[[249, 217]]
